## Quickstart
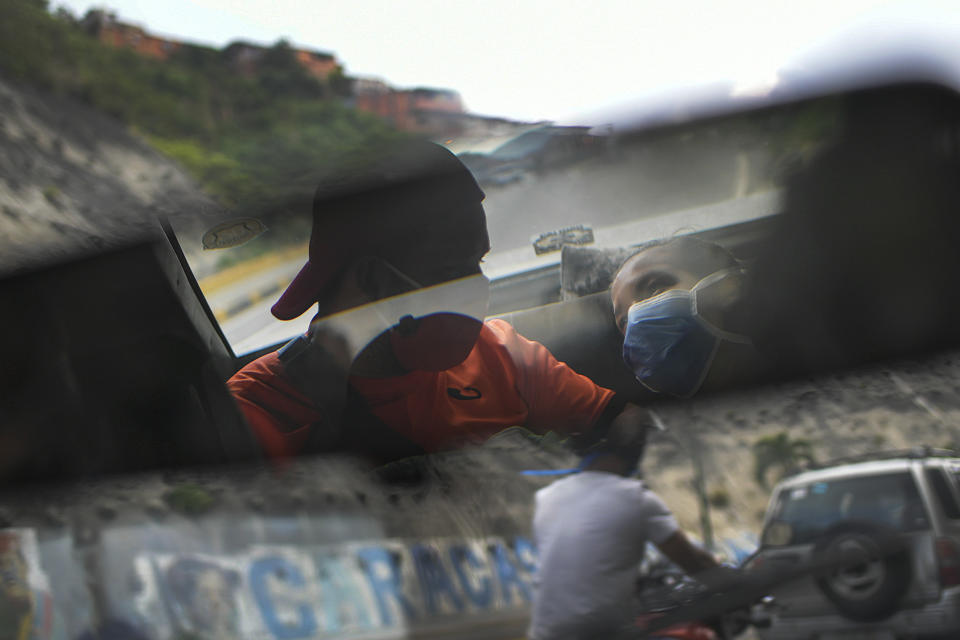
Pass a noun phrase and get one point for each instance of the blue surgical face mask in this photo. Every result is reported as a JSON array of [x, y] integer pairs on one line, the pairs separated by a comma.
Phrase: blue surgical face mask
[[668, 345]]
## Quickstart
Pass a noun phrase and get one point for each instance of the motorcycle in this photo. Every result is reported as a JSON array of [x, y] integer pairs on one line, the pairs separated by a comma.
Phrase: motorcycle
[[677, 607]]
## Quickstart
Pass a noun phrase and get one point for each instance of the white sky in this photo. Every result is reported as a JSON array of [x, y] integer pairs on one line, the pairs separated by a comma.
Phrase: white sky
[[545, 59]]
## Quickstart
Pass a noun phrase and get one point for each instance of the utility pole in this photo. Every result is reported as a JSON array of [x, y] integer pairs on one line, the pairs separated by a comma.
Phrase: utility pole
[[693, 450], [700, 486]]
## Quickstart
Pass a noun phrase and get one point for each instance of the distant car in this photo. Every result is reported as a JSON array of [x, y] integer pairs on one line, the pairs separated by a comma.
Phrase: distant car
[[848, 508]]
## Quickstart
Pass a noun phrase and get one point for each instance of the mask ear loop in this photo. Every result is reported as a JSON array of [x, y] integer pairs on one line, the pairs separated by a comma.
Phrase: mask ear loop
[[715, 330], [400, 274], [416, 286]]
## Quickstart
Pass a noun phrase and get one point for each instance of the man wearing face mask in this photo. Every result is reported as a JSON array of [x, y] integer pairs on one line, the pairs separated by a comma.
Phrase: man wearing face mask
[[398, 360], [678, 305]]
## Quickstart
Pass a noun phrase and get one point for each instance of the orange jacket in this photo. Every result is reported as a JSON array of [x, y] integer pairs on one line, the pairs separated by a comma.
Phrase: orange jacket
[[506, 381]]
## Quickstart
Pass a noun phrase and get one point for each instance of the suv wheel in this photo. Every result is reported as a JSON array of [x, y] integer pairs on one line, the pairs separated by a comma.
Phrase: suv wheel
[[867, 591]]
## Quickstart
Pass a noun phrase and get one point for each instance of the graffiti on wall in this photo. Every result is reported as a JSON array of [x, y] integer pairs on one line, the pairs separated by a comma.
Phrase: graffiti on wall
[[27, 610], [356, 590], [378, 589]]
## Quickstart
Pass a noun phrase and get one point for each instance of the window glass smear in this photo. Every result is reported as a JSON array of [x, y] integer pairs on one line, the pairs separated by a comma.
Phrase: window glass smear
[[547, 186], [241, 283], [890, 500]]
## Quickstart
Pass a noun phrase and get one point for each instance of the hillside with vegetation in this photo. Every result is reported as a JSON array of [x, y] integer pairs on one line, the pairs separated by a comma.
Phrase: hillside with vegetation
[[250, 140]]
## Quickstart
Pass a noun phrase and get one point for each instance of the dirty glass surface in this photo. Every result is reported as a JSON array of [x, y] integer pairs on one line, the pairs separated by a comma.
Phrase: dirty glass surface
[[593, 187], [125, 513]]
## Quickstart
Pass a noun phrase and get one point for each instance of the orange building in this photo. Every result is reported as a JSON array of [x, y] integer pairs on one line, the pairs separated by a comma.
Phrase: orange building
[[435, 112], [245, 56], [318, 64], [109, 30], [436, 100], [420, 110]]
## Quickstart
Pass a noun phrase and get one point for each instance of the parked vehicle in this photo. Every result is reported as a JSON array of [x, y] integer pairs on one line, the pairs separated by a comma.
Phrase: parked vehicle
[[852, 507]]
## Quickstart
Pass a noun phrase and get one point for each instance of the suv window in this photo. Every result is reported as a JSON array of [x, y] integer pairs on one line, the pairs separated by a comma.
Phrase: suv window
[[809, 510], [941, 488]]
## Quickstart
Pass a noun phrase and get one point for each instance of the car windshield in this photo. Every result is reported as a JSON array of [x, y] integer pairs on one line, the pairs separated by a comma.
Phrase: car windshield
[[888, 499]]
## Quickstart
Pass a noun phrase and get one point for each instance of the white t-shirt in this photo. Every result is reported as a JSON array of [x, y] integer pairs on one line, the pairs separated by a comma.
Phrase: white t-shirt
[[591, 531]]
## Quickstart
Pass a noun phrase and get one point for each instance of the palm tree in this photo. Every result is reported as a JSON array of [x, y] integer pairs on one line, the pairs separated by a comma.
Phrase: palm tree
[[779, 451]]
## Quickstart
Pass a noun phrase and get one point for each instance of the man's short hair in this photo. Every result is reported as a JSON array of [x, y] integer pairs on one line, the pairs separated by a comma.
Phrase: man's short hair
[[699, 256], [630, 454]]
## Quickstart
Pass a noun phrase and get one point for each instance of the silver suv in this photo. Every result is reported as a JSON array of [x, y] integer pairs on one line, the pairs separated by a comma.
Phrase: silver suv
[[846, 508]]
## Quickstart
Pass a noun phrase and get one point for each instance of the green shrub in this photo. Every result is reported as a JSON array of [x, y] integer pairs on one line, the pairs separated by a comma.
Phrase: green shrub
[[51, 194], [779, 451], [189, 499], [719, 498], [246, 140]]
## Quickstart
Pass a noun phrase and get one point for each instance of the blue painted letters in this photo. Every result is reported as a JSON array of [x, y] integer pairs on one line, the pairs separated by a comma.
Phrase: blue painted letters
[[281, 569], [386, 588], [466, 563]]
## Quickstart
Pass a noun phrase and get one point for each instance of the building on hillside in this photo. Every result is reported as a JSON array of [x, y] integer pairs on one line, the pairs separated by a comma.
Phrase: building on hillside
[[246, 56], [370, 86], [319, 64], [106, 28], [443, 100], [434, 112]]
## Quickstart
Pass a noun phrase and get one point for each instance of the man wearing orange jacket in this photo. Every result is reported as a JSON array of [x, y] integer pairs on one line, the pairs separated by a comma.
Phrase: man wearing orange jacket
[[398, 360]]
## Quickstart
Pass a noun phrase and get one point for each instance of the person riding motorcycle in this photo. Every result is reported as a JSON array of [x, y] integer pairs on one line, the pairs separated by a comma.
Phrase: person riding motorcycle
[[591, 530]]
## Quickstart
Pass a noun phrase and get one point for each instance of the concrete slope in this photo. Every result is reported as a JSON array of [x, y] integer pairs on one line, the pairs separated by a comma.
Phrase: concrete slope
[[75, 181]]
